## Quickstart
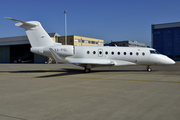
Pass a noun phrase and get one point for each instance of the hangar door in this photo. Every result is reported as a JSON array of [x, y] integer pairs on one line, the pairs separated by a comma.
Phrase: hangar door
[[21, 54]]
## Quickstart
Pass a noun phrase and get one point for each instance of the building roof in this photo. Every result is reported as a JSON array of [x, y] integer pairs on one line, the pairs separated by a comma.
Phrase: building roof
[[19, 39], [126, 43], [166, 25]]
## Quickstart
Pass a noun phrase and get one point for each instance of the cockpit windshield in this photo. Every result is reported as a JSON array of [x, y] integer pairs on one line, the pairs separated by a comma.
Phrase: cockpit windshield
[[154, 52]]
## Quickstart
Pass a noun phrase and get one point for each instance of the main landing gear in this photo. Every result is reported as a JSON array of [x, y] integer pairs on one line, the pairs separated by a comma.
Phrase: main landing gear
[[87, 68], [149, 69]]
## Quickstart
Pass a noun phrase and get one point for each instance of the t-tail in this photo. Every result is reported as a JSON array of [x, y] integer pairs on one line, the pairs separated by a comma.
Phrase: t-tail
[[37, 36]]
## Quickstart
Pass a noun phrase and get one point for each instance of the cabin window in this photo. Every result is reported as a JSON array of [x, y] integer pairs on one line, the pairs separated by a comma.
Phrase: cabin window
[[137, 53], [88, 52], [100, 52], [94, 52], [118, 53], [131, 53], [112, 53], [124, 53], [143, 54], [106, 52]]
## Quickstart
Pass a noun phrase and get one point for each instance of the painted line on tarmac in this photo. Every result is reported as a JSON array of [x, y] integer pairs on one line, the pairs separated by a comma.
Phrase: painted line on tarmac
[[124, 79]]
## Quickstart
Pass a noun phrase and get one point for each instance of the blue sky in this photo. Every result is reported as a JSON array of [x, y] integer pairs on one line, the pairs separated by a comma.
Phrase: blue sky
[[104, 19]]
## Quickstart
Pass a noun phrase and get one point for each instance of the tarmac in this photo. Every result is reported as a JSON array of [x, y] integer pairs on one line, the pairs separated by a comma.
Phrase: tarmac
[[65, 92]]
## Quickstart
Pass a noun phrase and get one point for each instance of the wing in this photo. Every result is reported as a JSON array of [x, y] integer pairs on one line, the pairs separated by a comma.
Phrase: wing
[[92, 62], [99, 62]]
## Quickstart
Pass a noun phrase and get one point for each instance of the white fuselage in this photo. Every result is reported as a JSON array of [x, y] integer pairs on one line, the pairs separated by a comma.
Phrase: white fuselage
[[118, 55]]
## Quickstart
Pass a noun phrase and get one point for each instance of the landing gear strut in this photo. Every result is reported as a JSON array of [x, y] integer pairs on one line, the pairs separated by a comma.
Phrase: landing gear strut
[[149, 69], [87, 70]]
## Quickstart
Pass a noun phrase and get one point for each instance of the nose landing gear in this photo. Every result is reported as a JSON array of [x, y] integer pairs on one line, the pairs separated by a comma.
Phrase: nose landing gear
[[149, 69]]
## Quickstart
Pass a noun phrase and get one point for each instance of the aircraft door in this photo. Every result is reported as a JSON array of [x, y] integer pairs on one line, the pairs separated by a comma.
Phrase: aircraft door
[[100, 52]]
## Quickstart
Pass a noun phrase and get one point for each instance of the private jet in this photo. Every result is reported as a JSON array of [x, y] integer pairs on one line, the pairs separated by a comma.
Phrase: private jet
[[89, 56]]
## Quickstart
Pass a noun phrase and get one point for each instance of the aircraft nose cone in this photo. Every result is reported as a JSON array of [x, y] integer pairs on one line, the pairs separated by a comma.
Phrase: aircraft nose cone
[[165, 60], [169, 61]]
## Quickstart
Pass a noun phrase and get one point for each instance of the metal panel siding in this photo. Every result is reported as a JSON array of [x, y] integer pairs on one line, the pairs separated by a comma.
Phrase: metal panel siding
[[5, 54], [176, 42], [167, 40], [1, 54], [40, 58], [158, 40]]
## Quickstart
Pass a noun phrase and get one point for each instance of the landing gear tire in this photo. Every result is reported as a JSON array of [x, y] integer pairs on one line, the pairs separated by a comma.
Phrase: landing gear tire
[[87, 70], [149, 69]]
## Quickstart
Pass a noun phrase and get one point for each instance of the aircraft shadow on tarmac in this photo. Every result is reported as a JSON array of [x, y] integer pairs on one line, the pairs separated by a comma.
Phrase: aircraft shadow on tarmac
[[66, 72]]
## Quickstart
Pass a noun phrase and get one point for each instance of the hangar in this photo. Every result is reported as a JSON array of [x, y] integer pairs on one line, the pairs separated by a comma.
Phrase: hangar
[[166, 39], [17, 49]]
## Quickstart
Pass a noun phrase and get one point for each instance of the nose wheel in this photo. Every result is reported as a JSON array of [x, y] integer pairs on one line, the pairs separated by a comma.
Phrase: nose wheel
[[149, 69]]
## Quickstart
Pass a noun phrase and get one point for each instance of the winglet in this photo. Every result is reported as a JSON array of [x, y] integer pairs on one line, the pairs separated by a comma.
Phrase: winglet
[[56, 56]]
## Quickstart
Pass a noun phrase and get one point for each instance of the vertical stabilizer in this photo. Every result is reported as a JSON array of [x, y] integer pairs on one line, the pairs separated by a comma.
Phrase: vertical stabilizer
[[37, 36]]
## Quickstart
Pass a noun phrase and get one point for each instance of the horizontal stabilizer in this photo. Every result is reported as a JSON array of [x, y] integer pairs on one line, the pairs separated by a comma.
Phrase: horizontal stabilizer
[[24, 23], [56, 56]]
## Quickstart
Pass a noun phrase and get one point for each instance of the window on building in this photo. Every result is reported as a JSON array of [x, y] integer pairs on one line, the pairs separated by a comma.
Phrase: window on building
[[75, 40], [60, 41], [79, 41], [100, 43], [86, 41], [93, 42], [56, 38]]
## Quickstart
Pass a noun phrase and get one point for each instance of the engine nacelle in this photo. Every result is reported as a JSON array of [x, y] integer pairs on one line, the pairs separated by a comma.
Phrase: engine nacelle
[[37, 50], [64, 50]]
